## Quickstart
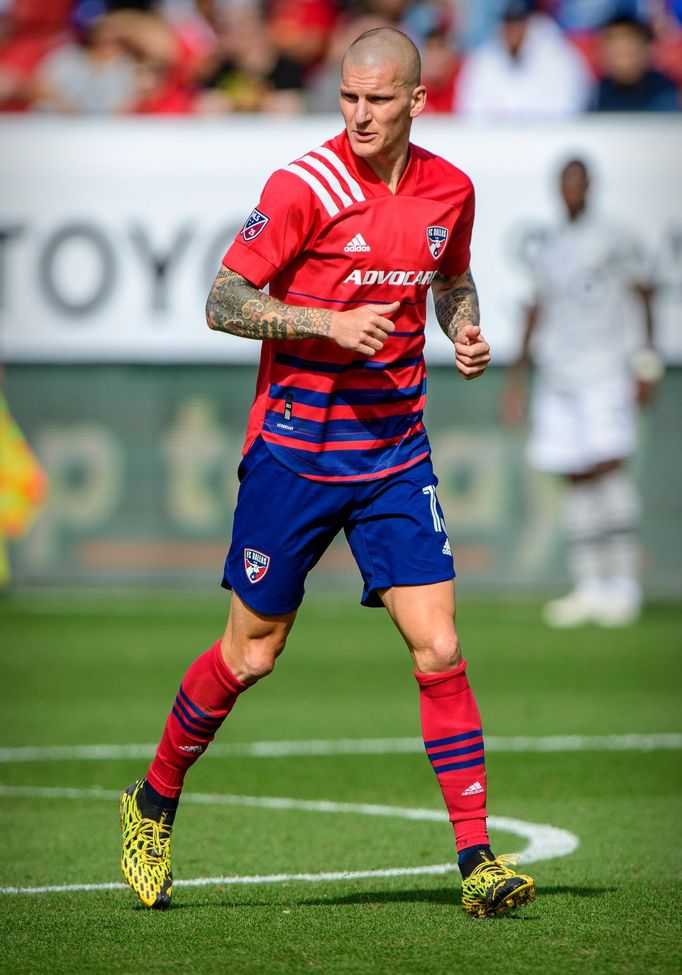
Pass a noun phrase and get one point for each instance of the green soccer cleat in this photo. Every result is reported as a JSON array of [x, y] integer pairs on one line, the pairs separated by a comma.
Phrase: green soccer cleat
[[145, 860], [493, 889]]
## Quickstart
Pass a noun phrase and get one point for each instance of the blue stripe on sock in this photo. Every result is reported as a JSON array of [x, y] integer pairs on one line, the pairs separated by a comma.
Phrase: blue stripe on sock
[[450, 741], [456, 765], [201, 726], [195, 732], [200, 714], [451, 753]]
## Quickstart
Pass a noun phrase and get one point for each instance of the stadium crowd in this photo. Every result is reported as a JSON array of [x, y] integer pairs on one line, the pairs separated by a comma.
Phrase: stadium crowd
[[481, 58]]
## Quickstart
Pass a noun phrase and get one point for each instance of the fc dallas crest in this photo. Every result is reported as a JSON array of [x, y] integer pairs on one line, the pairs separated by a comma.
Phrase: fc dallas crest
[[256, 564], [436, 238]]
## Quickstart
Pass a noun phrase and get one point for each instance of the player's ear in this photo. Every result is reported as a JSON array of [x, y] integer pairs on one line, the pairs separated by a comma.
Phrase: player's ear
[[418, 101]]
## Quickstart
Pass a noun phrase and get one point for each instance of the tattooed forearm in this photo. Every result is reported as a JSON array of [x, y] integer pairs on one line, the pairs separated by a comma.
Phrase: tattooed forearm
[[238, 307], [456, 302]]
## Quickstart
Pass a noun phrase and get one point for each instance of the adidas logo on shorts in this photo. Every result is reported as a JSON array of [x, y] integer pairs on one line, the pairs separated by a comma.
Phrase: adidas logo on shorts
[[358, 243]]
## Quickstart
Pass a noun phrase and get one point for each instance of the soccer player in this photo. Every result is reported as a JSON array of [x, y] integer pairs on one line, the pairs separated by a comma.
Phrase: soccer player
[[349, 239], [583, 410]]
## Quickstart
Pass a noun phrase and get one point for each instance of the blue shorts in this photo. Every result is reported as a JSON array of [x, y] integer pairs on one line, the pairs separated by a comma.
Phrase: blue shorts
[[283, 523]]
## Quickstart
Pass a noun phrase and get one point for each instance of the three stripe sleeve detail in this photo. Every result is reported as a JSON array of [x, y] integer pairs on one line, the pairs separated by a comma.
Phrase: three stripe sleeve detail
[[327, 184]]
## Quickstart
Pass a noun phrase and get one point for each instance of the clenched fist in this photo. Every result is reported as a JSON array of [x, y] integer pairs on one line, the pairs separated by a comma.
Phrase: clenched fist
[[472, 352], [363, 329]]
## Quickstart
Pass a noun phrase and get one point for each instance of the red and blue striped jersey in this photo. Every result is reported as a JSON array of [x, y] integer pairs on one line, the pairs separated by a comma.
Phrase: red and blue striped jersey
[[328, 233]]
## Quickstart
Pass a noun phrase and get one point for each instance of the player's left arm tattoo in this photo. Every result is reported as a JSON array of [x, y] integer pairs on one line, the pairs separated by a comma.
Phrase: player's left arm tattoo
[[238, 307], [456, 301]]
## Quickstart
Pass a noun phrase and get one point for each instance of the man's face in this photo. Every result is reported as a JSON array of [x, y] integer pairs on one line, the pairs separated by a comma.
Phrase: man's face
[[378, 108], [513, 31], [574, 186], [624, 53]]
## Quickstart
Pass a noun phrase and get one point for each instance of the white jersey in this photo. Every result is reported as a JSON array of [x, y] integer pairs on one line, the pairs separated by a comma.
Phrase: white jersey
[[584, 272]]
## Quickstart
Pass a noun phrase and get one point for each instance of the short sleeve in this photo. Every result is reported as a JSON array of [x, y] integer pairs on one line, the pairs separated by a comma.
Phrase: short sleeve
[[275, 232], [457, 255]]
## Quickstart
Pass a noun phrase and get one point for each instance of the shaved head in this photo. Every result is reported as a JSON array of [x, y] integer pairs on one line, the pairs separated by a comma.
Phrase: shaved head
[[381, 46]]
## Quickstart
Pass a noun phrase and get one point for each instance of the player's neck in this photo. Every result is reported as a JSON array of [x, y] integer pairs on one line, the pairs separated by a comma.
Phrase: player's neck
[[390, 169], [576, 214]]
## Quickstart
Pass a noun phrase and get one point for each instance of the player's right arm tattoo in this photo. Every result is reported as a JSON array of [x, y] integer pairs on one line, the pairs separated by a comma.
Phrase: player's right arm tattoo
[[456, 301], [236, 306]]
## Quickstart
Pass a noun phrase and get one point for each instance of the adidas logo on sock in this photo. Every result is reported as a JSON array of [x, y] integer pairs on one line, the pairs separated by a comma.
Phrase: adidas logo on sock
[[473, 790], [358, 243]]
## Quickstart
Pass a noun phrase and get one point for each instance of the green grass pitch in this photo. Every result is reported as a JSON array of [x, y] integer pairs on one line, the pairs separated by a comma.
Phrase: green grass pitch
[[86, 669]]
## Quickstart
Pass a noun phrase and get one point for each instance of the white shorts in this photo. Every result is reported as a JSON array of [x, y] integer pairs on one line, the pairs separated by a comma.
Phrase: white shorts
[[572, 430]]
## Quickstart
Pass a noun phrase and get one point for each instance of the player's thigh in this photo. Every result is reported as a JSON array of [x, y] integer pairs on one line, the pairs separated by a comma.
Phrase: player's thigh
[[425, 617], [397, 533], [282, 525]]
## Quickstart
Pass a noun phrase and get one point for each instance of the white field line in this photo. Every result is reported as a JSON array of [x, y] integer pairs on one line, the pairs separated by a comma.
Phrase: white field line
[[545, 842], [347, 746], [272, 878]]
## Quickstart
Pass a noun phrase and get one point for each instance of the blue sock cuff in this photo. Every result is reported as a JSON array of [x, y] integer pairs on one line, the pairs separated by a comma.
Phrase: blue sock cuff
[[463, 854], [165, 802]]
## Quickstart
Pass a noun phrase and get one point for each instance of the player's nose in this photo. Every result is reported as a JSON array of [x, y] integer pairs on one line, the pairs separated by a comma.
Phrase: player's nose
[[362, 114]]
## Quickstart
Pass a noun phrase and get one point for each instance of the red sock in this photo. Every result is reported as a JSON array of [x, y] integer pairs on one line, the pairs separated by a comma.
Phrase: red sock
[[451, 725], [207, 695]]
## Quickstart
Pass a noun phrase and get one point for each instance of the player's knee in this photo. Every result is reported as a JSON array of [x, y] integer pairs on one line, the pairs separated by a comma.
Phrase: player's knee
[[258, 662], [440, 651], [254, 658]]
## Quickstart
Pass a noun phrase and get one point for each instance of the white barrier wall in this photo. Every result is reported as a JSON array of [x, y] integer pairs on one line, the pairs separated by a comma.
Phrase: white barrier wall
[[111, 231]]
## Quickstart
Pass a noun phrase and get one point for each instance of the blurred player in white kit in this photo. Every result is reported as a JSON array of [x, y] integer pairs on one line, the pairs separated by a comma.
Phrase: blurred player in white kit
[[583, 409]]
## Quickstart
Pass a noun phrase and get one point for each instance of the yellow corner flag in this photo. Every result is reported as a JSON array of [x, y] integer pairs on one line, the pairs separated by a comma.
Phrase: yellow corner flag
[[23, 484]]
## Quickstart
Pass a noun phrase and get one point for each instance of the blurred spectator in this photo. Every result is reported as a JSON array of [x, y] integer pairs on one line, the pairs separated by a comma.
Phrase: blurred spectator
[[91, 74], [300, 29], [282, 56], [424, 18], [28, 30], [440, 67], [164, 65], [246, 72], [629, 83], [476, 22], [528, 70], [577, 16], [159, 90]]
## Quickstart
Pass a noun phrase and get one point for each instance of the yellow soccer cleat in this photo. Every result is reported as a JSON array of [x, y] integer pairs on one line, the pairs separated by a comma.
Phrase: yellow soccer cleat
[[145, 860], [493, 888]]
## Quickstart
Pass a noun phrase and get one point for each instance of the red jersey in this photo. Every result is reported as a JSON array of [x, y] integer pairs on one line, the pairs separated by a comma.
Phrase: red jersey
[[328, 233]]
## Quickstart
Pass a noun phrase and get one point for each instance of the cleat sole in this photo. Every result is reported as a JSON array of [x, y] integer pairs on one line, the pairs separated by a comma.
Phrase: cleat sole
[[519, 897]]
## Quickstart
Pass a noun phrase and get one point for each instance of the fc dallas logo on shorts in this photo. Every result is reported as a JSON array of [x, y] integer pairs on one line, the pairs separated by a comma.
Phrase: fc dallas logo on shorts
[[254, 225], [256, 564], [436, 237]]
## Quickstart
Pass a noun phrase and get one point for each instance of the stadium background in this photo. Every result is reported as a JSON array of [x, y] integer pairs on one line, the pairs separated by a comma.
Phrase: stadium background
[[111, 233]]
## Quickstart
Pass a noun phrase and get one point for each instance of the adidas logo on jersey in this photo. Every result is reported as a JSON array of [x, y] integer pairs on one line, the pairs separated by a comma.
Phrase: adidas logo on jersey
[[358, 243], [474, 789]]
